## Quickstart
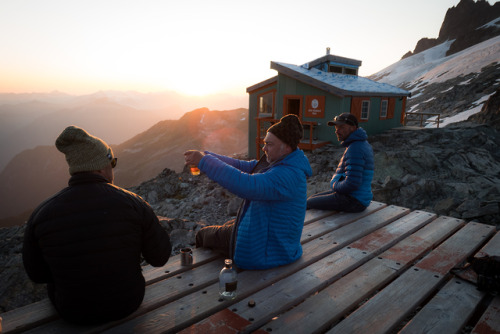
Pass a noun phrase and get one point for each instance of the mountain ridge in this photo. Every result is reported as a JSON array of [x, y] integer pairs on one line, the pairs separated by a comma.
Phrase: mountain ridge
[[465, 25], [18, 114]]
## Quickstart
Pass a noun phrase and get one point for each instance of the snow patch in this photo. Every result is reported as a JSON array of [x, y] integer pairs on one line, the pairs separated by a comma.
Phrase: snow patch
[[494, 23], [447, 90], [432, 66], [463, 116]]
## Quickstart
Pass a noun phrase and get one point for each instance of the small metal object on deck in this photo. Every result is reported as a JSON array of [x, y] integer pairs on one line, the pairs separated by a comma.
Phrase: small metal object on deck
[[186, 256]]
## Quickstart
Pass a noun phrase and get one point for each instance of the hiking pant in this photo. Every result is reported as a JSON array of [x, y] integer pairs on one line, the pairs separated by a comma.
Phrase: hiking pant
[[330, 200], [216, 237]]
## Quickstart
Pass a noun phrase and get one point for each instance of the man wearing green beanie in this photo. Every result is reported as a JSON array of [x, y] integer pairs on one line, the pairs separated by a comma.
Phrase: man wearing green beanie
[[267, 230], [86, 241]]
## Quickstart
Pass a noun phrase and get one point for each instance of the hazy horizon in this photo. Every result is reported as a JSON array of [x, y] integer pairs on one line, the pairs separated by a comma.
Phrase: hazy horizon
[[194, 47]]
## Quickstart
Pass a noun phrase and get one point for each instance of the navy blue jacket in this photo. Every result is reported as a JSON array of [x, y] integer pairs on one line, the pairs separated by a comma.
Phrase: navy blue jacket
[[86, 243], [354, 172]]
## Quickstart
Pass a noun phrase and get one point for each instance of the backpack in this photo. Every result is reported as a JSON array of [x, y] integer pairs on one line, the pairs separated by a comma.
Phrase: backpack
[[484, 272], [487, 269]]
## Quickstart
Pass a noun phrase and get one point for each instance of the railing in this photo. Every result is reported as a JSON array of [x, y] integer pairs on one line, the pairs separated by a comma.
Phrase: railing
[[311, 129], [422, 114]]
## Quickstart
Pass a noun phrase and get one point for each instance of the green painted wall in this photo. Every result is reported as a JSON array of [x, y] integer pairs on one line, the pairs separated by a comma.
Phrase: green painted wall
[[334, 106], [375, 125]]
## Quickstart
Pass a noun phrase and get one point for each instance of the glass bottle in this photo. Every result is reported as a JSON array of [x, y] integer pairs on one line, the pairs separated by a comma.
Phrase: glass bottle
[[228, 280]]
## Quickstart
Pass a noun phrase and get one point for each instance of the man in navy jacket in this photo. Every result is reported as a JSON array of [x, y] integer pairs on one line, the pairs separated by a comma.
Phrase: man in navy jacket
[[350, 186]]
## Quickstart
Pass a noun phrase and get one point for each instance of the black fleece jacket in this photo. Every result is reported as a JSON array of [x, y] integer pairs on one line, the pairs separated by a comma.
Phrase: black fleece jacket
[[86, 243]]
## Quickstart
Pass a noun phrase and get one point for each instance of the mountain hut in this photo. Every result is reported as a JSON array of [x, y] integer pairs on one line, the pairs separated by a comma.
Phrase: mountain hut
[[317, 92]]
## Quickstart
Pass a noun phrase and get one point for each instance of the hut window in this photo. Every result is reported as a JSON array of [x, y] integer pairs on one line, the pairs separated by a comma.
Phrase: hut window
[[350, 71], [266, 102], [383, 109], [365, 109], [335, 69]]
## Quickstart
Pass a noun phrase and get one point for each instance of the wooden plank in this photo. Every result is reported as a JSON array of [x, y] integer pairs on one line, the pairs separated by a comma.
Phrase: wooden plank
[[448, 311], [492, 248], [336, 221], [313, 215], [284, 294], [423, 239], [157, 295], [391, 233], [173, 267], [202, 256], [453, 305], [490, 321], [196, 306], [358, 229], [383, 312], [402, 296], [37, 314], [207, 300], [446, 256], [319, 312], [29, 316], [226, 322]]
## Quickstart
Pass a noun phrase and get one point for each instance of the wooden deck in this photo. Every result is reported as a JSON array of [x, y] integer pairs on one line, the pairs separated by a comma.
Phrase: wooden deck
[[385, 270]]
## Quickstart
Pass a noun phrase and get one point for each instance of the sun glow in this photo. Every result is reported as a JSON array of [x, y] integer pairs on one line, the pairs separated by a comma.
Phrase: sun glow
[[192, 47]]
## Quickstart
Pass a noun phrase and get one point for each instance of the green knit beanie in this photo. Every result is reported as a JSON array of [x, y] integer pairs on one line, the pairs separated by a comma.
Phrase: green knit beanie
[[84, 152], [289, 130]]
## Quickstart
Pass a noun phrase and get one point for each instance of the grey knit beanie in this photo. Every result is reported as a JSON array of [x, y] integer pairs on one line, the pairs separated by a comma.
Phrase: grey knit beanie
[[84, 152]]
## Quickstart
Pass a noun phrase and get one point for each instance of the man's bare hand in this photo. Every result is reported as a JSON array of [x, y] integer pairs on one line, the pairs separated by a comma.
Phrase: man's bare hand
[[193, 157]]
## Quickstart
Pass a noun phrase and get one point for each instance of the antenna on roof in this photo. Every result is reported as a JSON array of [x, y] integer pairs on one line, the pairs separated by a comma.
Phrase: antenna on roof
[[328, 50]]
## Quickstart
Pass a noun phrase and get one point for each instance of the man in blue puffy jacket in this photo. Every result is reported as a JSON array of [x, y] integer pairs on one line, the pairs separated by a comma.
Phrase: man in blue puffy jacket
[[267, 230], [351, 184]]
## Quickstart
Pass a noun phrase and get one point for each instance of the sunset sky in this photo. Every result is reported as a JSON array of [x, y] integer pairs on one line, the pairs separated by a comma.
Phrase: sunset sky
[[197, 47]]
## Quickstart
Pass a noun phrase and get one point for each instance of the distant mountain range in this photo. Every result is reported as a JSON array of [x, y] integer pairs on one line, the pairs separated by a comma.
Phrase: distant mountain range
[[37, 173], [163, 145], [31, 119], [453, 85]]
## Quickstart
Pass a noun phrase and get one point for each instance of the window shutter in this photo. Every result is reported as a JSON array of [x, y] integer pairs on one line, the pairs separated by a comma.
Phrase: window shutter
[[390, 108], [403, 110]]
